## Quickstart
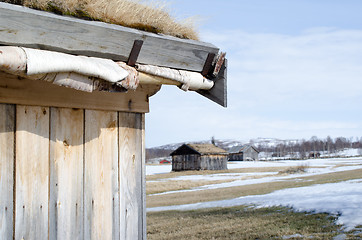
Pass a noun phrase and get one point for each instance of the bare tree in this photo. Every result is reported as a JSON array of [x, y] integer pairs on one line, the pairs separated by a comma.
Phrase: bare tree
[[329, 143]]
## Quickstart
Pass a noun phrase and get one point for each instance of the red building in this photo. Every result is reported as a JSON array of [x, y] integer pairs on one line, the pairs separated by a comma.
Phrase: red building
[[164, 161]]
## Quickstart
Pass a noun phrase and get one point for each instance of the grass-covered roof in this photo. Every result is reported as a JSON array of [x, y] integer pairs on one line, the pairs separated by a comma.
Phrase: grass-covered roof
[[145, 15]]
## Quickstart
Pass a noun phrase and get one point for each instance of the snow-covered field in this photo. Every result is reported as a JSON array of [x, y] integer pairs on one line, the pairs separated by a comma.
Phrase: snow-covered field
[[343, 198], [159, 169]]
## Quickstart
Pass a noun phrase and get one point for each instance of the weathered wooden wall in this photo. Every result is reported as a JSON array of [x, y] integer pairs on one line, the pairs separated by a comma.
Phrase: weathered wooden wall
[[251, 155], [214, 162], [198, 162], [7, 125], [71, 173], [186, 162], [247, 155], [236, 157]]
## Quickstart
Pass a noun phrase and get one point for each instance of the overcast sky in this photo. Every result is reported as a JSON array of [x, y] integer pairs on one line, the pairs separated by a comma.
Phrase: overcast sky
[[295, 71]]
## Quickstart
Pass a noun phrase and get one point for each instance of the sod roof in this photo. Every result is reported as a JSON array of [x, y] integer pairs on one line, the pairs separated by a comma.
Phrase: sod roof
[[143, 15]]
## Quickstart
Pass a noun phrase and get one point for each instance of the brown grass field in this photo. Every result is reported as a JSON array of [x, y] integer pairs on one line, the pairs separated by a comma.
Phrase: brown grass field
[[240, 222], [255, 189]]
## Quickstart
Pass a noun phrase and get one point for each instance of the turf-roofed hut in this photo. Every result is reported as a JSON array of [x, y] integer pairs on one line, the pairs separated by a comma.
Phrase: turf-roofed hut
[[73, 98], [199, 157]]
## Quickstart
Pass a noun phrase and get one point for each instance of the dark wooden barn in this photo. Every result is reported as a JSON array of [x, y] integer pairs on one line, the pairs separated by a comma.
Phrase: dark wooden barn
[[199, 157], [243, 153]]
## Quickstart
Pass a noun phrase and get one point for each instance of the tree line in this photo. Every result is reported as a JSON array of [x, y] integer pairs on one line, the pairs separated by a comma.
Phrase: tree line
[[157, 153], [296, 149], [313, 147]]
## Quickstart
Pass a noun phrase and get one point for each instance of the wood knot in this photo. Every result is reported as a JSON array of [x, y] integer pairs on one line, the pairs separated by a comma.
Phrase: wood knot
[[112, 125], [65, 143], [44, 111]]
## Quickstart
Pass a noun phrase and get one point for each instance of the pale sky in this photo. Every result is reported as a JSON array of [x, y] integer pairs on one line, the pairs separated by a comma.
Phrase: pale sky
[[295, 71]]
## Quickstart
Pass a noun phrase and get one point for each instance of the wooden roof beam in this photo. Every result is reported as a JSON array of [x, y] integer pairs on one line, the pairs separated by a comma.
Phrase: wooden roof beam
[[21, 26]]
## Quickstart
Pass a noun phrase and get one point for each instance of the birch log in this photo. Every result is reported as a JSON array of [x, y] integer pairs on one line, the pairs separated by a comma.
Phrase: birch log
[[187, 79]]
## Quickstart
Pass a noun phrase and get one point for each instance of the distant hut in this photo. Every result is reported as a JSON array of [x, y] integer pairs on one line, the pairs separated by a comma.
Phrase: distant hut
[[199, 157], [243, 153]]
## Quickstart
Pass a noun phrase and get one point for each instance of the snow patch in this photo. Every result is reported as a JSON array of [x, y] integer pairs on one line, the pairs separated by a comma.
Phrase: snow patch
[[276, 178], [157, 169], [342, 199]]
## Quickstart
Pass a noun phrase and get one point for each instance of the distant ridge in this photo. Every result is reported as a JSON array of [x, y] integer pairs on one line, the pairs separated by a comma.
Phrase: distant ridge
[[274, 148]]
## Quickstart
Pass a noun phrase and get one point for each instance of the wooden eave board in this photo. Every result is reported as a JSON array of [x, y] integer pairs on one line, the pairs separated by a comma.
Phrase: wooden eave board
[[17, 90], [21, 26]]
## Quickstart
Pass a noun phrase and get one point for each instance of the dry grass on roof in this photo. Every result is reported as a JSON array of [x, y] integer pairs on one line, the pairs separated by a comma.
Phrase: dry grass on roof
[[145, 15], [206, 148]]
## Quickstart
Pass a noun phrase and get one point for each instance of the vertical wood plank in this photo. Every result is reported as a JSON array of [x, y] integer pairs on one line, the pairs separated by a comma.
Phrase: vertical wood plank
[[32, 172], [66, 174], [101, 192], [144, 217], [7, 123], [131, 180]]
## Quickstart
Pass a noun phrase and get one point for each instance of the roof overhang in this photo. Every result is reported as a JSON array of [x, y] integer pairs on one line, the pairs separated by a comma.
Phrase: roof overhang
[[21, 26]]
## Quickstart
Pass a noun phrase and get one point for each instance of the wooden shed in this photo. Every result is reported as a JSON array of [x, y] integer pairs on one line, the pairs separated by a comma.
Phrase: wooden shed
[[243, 153], [72, 140], [199, 157]]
